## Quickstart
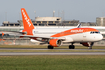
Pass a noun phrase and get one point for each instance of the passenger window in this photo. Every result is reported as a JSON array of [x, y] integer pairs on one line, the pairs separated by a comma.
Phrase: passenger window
[[90, 32]]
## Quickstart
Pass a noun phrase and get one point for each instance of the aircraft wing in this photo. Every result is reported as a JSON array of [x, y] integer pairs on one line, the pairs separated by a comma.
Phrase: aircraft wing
[[12, 32], [15, 33], [45, 37], [20, 34]]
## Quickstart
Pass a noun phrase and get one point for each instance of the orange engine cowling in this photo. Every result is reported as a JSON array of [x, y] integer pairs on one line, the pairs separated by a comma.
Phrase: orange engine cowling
[[55, 42]]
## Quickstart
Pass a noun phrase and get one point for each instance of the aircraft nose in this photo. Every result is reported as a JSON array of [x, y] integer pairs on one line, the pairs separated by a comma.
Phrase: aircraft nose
[[100, 37]]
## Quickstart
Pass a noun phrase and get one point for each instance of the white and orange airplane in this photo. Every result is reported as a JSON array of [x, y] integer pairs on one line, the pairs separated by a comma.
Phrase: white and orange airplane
[[55, 37]]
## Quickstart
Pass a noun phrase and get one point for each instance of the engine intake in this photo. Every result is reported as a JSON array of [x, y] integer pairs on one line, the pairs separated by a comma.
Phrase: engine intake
[[55, 42]]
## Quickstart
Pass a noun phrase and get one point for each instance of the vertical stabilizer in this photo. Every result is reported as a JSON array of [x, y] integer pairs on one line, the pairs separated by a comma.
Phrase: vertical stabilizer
[[26, 20]]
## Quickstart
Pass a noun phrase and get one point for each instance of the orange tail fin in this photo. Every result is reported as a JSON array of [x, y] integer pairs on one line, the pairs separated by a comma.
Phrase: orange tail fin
[[26, 20]]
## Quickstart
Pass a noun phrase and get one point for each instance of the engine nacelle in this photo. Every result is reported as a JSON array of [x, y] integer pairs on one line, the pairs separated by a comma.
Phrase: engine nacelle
[[55, 42], [87, 44]]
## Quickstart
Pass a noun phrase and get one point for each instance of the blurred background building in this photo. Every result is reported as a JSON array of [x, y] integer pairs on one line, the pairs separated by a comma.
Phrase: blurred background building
[[100, 21]]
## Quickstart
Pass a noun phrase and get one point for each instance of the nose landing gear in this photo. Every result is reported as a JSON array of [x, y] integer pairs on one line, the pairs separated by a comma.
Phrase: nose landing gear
[[91, 44]]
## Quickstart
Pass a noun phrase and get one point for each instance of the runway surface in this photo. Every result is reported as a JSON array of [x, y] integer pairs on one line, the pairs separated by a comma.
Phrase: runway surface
[[51, 53]]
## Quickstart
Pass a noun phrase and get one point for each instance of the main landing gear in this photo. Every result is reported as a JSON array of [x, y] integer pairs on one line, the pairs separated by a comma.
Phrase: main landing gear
[[50, 47], [71, 47]]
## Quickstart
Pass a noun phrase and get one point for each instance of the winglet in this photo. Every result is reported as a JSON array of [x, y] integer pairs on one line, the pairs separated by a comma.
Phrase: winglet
[[2, 34], [26, 20], [79, 25]]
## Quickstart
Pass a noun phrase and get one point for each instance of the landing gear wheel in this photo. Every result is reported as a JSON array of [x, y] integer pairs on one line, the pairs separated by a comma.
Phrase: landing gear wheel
[[71, 47], [50, 47]]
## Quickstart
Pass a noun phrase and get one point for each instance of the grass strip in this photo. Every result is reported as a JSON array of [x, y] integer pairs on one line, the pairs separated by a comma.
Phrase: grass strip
[[47, 62]]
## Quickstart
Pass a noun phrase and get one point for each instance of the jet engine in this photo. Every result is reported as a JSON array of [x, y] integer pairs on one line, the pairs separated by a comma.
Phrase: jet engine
[[55, 42]]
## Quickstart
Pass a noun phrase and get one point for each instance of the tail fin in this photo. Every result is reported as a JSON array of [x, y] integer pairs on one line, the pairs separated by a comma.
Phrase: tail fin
[[26, 20]]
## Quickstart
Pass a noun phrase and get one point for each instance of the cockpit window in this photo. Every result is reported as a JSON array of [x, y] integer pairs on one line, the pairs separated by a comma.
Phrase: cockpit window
[[94, 32]]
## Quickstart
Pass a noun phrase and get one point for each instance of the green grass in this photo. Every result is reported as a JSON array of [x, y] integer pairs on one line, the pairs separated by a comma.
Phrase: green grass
[[54, 62], [61, 62]]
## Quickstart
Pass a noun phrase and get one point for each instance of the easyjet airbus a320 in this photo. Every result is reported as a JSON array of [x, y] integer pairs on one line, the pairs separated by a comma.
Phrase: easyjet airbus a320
[[56, 37]]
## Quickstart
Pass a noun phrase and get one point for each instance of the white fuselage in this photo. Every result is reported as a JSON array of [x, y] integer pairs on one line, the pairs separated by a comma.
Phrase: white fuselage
[[79, 37]]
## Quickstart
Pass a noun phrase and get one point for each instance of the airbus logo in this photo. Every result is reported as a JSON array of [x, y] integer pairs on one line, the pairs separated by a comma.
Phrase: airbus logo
[[77, 30], [27, 20]]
